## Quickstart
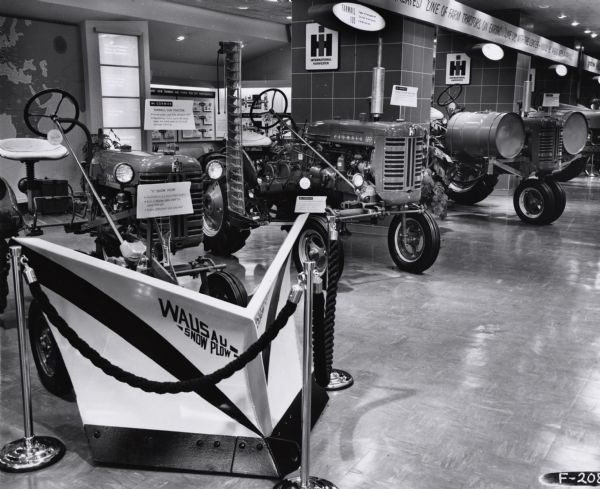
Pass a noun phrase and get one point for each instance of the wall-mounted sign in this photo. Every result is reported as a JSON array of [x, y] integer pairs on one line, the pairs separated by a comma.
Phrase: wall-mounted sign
[[169, 115], [591, 64], [358, 16], [404, 96], [551, 100], [322, 46], [458, 69], [458, 17]]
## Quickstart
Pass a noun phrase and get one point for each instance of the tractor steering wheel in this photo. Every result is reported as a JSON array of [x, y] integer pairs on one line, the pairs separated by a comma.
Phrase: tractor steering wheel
[[277, 102], [450, 95], [49, 105]]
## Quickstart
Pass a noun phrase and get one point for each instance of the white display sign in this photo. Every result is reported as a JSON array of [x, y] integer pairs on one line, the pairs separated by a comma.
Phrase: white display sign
[[310, 204], [551, 100], [169, 115], [591, 64], [458, 69], [358, 16], [455, 16], [164, 199], [405, 96], [322, 46]]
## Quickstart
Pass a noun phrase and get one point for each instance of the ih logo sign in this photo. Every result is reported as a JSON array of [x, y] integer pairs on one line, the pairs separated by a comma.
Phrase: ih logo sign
[[321, 48], [458, 69]]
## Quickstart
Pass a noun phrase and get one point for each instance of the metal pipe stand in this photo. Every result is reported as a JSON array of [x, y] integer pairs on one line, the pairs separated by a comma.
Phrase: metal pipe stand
[[30, 452], [305, 481]]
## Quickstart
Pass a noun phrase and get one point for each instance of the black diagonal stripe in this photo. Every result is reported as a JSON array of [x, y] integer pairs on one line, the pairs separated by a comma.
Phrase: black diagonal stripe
[[271, 315], [130, 327]]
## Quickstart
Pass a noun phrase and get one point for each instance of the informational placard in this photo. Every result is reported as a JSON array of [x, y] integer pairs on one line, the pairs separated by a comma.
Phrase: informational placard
[[591, 64], [169, 115], [358, 16], [404, 96], [322, 46], [458, 69], [551, 100], [455, 16], [164, 199], [313, 204]]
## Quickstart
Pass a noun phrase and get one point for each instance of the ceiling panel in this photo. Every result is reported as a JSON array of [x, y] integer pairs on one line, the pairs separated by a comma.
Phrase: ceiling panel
[[276, 11]]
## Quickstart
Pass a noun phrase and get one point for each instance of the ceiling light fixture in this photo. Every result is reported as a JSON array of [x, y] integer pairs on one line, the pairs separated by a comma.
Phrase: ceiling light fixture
[[574, 23], [289, 17], [562, 16], [587, 31], [544, 6], [243, 8], [180, 38], [593, 35]]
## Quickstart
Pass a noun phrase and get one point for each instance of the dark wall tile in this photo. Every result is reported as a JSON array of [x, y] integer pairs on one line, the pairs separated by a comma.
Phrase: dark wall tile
[[343, 108], [321, 109], [298, 60], [490, 77], [506, 95], [322, 85], [298, 34], [347, 58], [343, 85], [366, 57], [301, 110], [301, 85], [363, 85]]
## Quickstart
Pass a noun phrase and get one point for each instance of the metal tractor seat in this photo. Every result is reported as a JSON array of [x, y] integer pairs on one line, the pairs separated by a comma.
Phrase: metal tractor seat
[[31, 151]]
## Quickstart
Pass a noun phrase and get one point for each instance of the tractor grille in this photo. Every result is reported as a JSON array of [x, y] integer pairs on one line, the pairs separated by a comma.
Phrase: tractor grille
[[403, 163], [550, 149], [185, 230]]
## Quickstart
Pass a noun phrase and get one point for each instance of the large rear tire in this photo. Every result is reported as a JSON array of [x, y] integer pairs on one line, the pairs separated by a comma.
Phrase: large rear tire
[[570, 172], [417, 247], [4, 269], [220, 237], [472, 193], [46, 354]]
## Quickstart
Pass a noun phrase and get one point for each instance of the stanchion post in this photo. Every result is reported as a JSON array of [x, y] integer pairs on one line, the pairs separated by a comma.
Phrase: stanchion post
[[305, 481], [30, 452], [338, 379]]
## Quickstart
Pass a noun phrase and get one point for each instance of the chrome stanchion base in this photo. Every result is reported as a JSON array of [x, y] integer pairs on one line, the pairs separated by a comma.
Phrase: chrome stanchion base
[[25, 455], [313, 483], [339, 380]]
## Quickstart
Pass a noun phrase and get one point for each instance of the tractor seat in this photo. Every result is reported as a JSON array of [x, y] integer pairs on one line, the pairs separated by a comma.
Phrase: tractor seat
[[31, 149]]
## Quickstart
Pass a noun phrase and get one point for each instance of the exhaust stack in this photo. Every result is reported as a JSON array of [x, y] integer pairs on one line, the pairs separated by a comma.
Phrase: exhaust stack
[[378, 84]]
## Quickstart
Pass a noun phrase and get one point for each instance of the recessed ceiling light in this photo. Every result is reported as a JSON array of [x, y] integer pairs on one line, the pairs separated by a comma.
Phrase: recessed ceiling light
[[289, 17], [243, 8], [593, 35], [544, 6], [272, 0], [587, 31], [180, 38], [562, 16], [574, 23]]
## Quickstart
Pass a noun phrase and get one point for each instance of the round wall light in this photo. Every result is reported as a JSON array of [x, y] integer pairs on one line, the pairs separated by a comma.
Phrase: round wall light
[[490, 50], [560, 69]]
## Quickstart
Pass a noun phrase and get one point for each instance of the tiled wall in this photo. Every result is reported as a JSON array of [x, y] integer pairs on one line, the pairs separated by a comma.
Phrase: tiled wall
[[407, 58], [494, 84], [590, 89], [547, 81]]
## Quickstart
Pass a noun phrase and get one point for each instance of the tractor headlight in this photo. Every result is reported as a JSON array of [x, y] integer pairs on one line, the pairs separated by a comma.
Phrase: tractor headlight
[[123, 173], [214, 170], [358, 180]]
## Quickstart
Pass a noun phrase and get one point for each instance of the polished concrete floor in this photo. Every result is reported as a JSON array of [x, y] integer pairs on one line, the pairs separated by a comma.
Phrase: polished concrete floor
[[484, 372]]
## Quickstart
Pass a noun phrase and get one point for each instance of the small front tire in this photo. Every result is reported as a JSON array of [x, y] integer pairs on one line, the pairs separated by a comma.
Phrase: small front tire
[[46, 354], [416, 248], [534, 202], [226, 287], [559, 196]]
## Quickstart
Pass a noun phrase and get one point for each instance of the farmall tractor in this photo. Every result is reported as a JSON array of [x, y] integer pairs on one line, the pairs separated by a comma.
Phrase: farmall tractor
[[367, 170], [104, 209], [538, 148]]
